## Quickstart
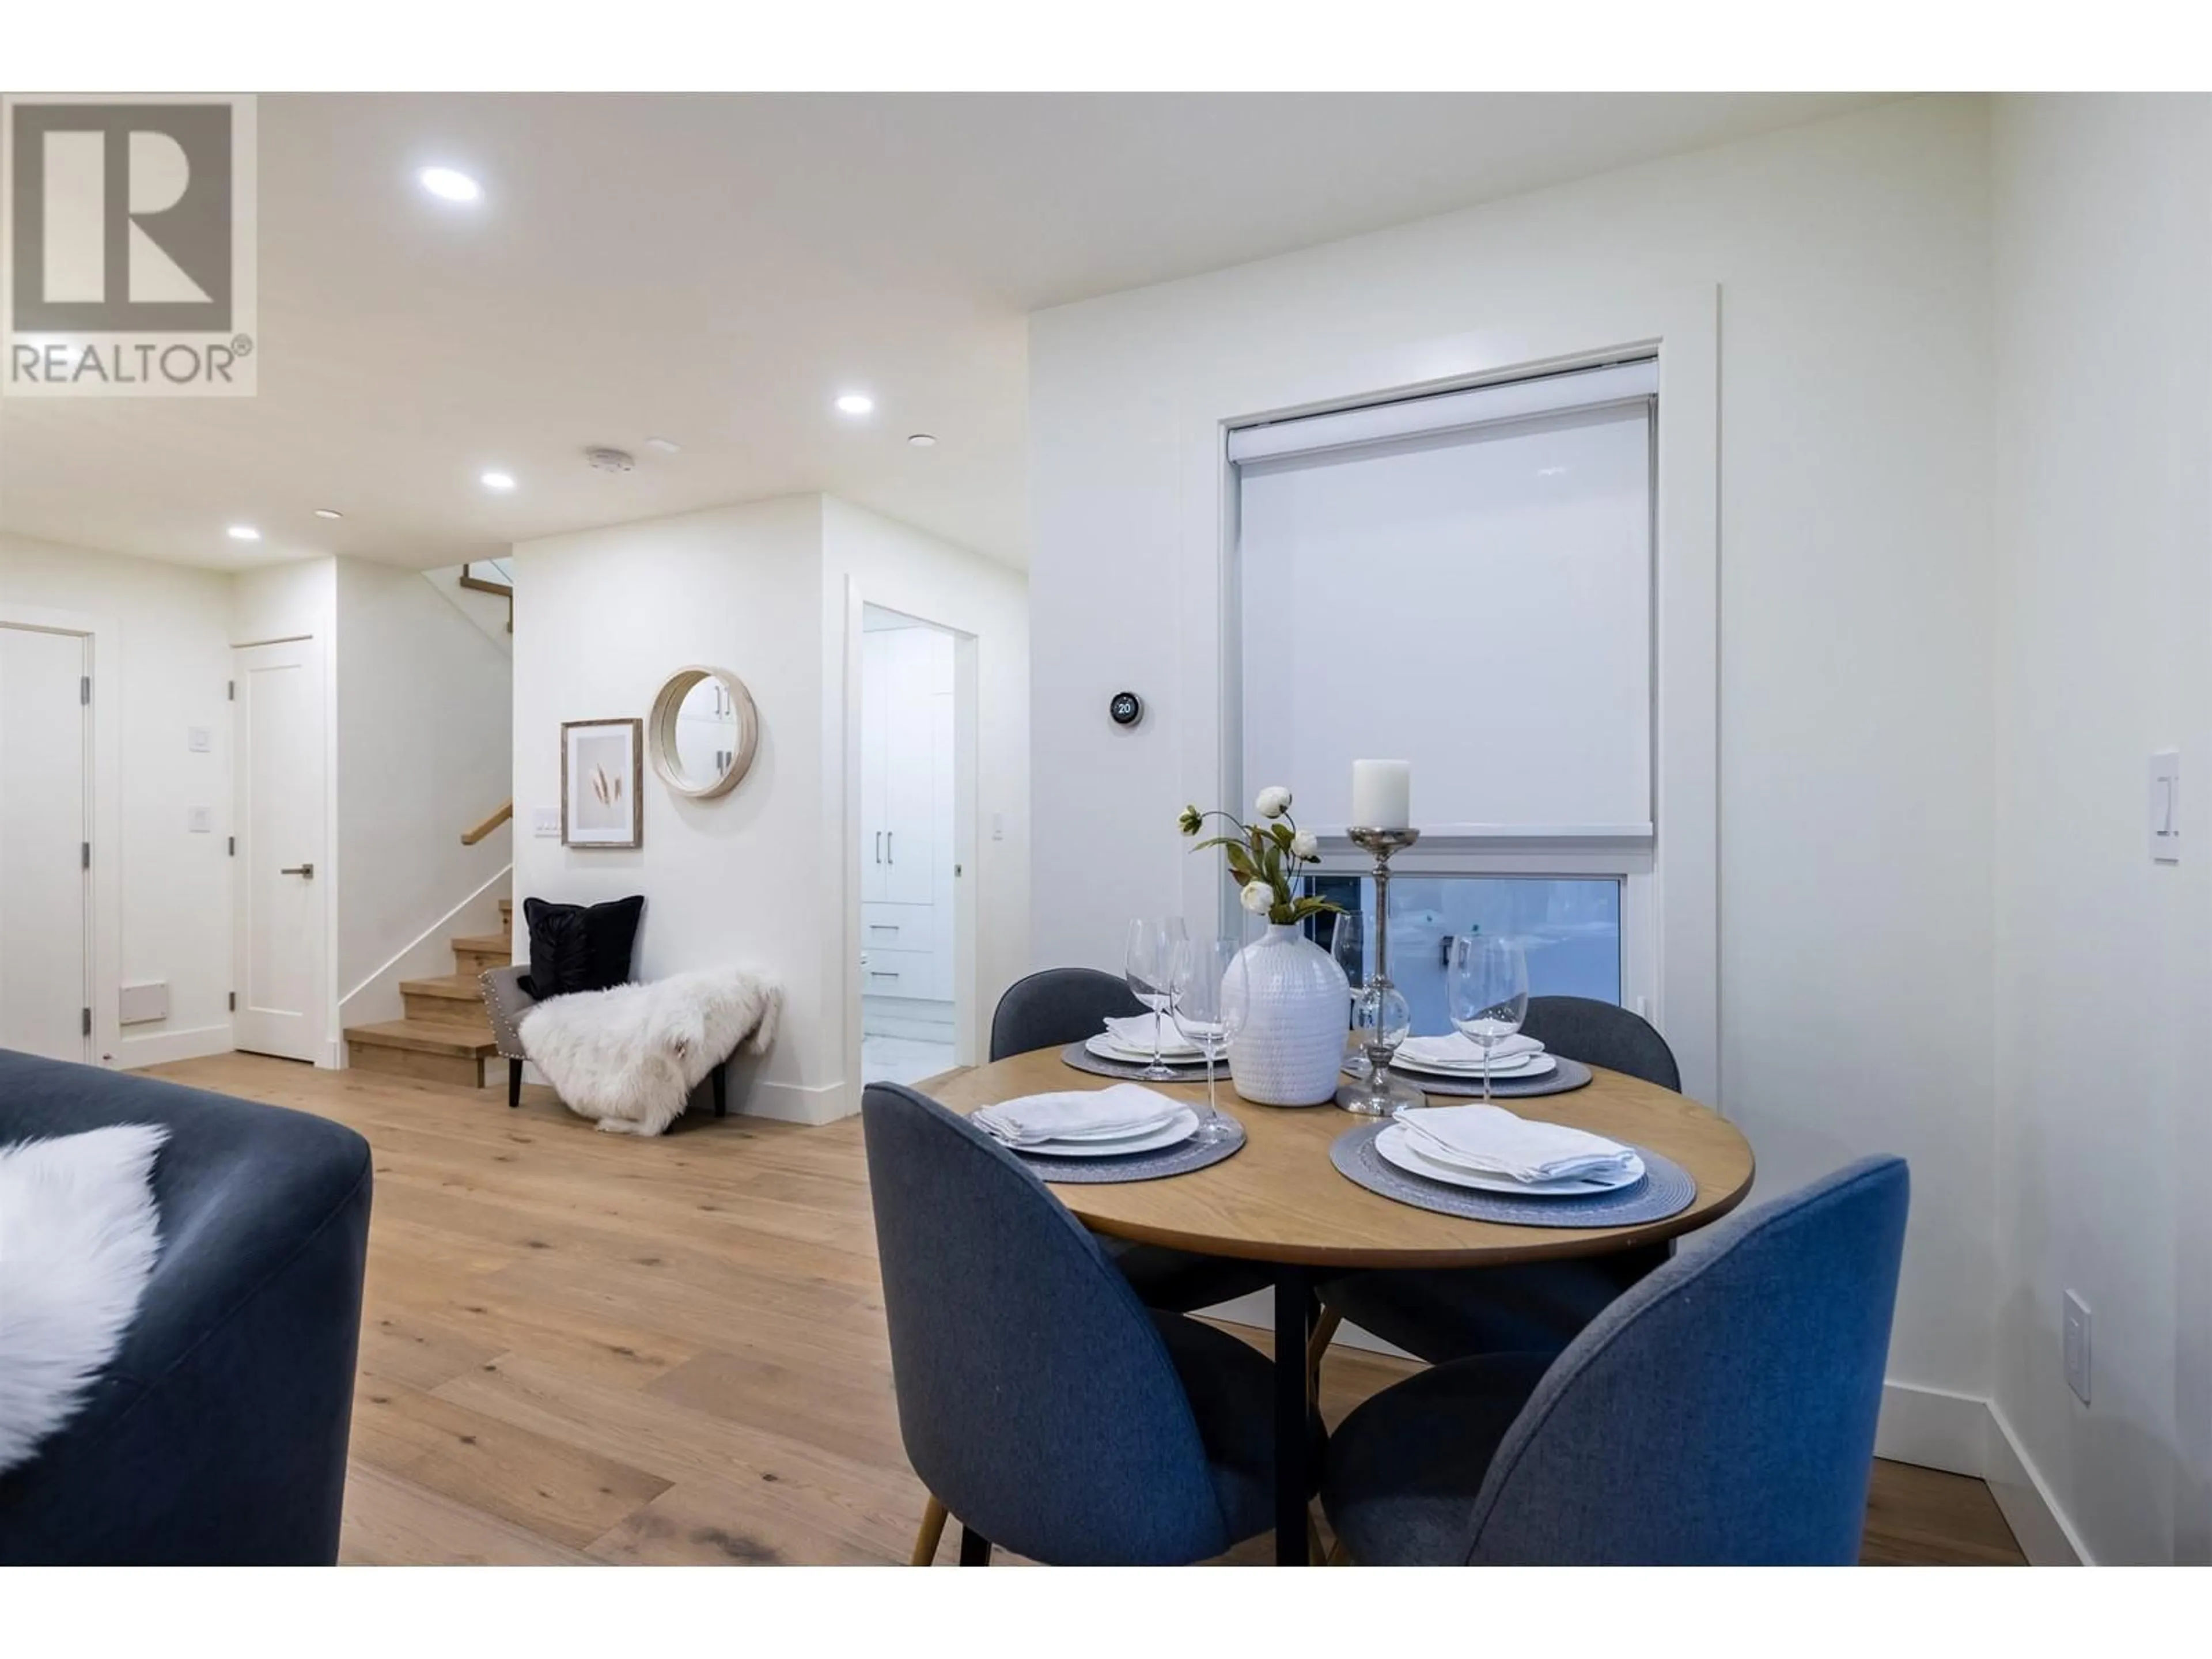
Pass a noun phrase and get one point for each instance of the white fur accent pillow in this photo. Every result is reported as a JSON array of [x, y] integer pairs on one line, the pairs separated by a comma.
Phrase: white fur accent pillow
[[631, 1056], [78, 1239]]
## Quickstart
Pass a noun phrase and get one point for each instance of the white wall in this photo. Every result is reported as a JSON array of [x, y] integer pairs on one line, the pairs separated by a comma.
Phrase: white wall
[[425, 751], [2103, 239], [761, 877], [172, 893], [871, 560], [602, 618], [486, 612], [1856, 638]]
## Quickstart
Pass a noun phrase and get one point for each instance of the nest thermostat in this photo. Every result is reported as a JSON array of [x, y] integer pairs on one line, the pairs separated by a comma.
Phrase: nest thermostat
[[1127, 709]]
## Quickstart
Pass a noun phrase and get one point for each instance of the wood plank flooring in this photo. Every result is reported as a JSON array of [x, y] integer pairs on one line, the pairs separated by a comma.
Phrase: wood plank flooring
[[581, 1348]]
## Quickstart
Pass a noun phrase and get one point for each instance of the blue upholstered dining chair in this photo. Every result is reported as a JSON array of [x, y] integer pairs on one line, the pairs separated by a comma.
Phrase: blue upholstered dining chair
[[1444, 1314], [1039, 1402], [1060, 1005], [1720, 1412]]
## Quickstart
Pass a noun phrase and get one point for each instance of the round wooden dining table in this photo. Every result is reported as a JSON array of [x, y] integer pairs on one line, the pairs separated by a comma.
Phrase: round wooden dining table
[[1279, 1200]]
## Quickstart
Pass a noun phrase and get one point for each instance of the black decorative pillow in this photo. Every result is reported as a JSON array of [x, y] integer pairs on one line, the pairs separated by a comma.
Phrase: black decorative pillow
[[580, 947]]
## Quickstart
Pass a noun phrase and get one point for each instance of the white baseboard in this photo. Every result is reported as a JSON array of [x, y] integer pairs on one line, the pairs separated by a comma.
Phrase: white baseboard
[[160, 1047], [2045, 1535], [793, 1103], [1934, 1428]]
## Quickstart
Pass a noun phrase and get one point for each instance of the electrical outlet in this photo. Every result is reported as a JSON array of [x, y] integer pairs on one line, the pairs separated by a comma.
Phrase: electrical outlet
[[2077, 1346]]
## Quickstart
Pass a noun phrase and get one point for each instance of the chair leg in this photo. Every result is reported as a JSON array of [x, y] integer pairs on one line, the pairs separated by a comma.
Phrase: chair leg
[[514, 1083], [721, 1092], [974, 1548], [1317, 1345], [931, 1534]]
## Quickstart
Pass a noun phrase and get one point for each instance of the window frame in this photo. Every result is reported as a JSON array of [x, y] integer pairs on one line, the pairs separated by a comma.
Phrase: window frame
[[1670, 911]]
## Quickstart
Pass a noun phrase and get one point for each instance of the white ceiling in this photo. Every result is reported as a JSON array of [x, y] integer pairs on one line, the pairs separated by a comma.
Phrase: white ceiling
[[713, 270]]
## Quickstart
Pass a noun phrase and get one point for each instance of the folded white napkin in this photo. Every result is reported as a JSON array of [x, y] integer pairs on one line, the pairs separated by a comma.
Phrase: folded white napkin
[[1135, 1031], [1124, 1109], [1456, 1049], [1492, 1140]]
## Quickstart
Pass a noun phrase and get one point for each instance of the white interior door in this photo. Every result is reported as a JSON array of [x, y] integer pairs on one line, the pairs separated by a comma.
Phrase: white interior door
[[46, 994], [282, 860]]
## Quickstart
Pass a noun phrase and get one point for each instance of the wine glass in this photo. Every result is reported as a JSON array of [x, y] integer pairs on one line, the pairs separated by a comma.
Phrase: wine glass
[[1382, 1019], [1209, 1009], [1348, 944], [1486, 992], [1148, 963]]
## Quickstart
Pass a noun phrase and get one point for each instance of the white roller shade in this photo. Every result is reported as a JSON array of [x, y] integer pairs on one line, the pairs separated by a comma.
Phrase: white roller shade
[[1584, 390], [1477, 601]]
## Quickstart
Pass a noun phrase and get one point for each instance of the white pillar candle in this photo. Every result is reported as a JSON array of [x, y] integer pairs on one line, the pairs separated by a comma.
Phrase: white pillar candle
[[1381, 794]]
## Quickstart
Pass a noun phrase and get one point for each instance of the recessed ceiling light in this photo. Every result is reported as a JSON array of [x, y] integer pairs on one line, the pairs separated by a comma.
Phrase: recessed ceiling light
[[449, 185], [498, 481], [922, 441], [856, 403], [244, 533], [328, 512]]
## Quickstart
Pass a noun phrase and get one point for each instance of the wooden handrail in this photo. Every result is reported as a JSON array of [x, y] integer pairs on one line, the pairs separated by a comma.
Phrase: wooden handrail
[[470, 837]]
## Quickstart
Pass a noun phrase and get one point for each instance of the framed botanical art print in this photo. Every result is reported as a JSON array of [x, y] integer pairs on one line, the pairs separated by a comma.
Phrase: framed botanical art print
[[602, 772]]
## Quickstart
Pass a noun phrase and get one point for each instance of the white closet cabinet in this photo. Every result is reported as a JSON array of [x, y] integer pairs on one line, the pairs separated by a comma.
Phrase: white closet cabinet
[[906, 813]]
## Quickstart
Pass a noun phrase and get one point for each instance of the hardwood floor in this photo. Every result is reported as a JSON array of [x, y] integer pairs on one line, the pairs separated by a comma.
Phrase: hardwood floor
[[584, 1347]]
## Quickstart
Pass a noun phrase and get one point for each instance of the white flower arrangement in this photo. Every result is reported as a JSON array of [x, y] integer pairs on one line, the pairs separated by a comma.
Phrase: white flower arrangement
[[1264, 858]]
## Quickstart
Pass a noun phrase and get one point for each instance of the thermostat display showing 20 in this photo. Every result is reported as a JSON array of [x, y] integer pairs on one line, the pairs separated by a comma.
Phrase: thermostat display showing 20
[[1125, 709]]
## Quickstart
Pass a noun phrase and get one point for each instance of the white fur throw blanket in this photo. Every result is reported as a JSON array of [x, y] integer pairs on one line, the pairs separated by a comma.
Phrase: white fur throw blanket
[[630, 1057], [78, 1239]]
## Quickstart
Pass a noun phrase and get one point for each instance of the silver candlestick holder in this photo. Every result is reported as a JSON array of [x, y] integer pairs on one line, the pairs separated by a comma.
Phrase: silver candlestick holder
[[1379, 1094]]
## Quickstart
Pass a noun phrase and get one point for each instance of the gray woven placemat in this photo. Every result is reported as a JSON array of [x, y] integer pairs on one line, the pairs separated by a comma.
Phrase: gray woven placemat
[[1179, 1159], [1078, 1058], [1570, 1075], [1666, 1189]]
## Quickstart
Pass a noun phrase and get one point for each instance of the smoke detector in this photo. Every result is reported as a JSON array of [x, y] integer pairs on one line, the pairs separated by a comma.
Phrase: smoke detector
[[611, 461]]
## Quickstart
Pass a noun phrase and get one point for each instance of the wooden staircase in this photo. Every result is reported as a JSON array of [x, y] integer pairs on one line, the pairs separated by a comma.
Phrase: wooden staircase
[[446, 1036]]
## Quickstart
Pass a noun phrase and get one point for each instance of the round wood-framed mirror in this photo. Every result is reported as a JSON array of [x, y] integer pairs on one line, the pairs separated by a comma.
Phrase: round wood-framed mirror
[[702, 732]]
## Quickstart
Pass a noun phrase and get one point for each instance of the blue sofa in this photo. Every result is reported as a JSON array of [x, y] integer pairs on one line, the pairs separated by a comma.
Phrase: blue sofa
[[219, 1434]]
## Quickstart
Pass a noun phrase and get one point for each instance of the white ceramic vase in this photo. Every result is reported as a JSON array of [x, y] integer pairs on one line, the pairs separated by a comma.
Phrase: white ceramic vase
[[1292, 1041]]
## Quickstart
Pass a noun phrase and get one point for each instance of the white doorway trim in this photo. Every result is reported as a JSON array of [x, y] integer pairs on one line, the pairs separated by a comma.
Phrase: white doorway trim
[[844, 958], [104, 957]]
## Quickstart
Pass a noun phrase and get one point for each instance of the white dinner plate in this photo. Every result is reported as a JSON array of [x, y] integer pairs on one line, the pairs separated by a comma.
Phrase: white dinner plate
[[1396, 1147], [1181, 1128], [1105, 1048], [1522, 1066]]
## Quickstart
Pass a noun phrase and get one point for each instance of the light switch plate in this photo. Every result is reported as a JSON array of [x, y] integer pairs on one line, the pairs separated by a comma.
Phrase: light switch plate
[[545, 821], [200, 821], [2166, 806], [198, 738], [2077, 1346]]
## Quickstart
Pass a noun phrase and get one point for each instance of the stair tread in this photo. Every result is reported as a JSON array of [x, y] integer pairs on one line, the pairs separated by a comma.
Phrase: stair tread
[[460, 988], [486, 942], [425, 1036]]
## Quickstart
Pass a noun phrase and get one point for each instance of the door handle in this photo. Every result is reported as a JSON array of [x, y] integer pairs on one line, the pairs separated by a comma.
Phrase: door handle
[[879, 846], [890, 846], [306, 870]]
